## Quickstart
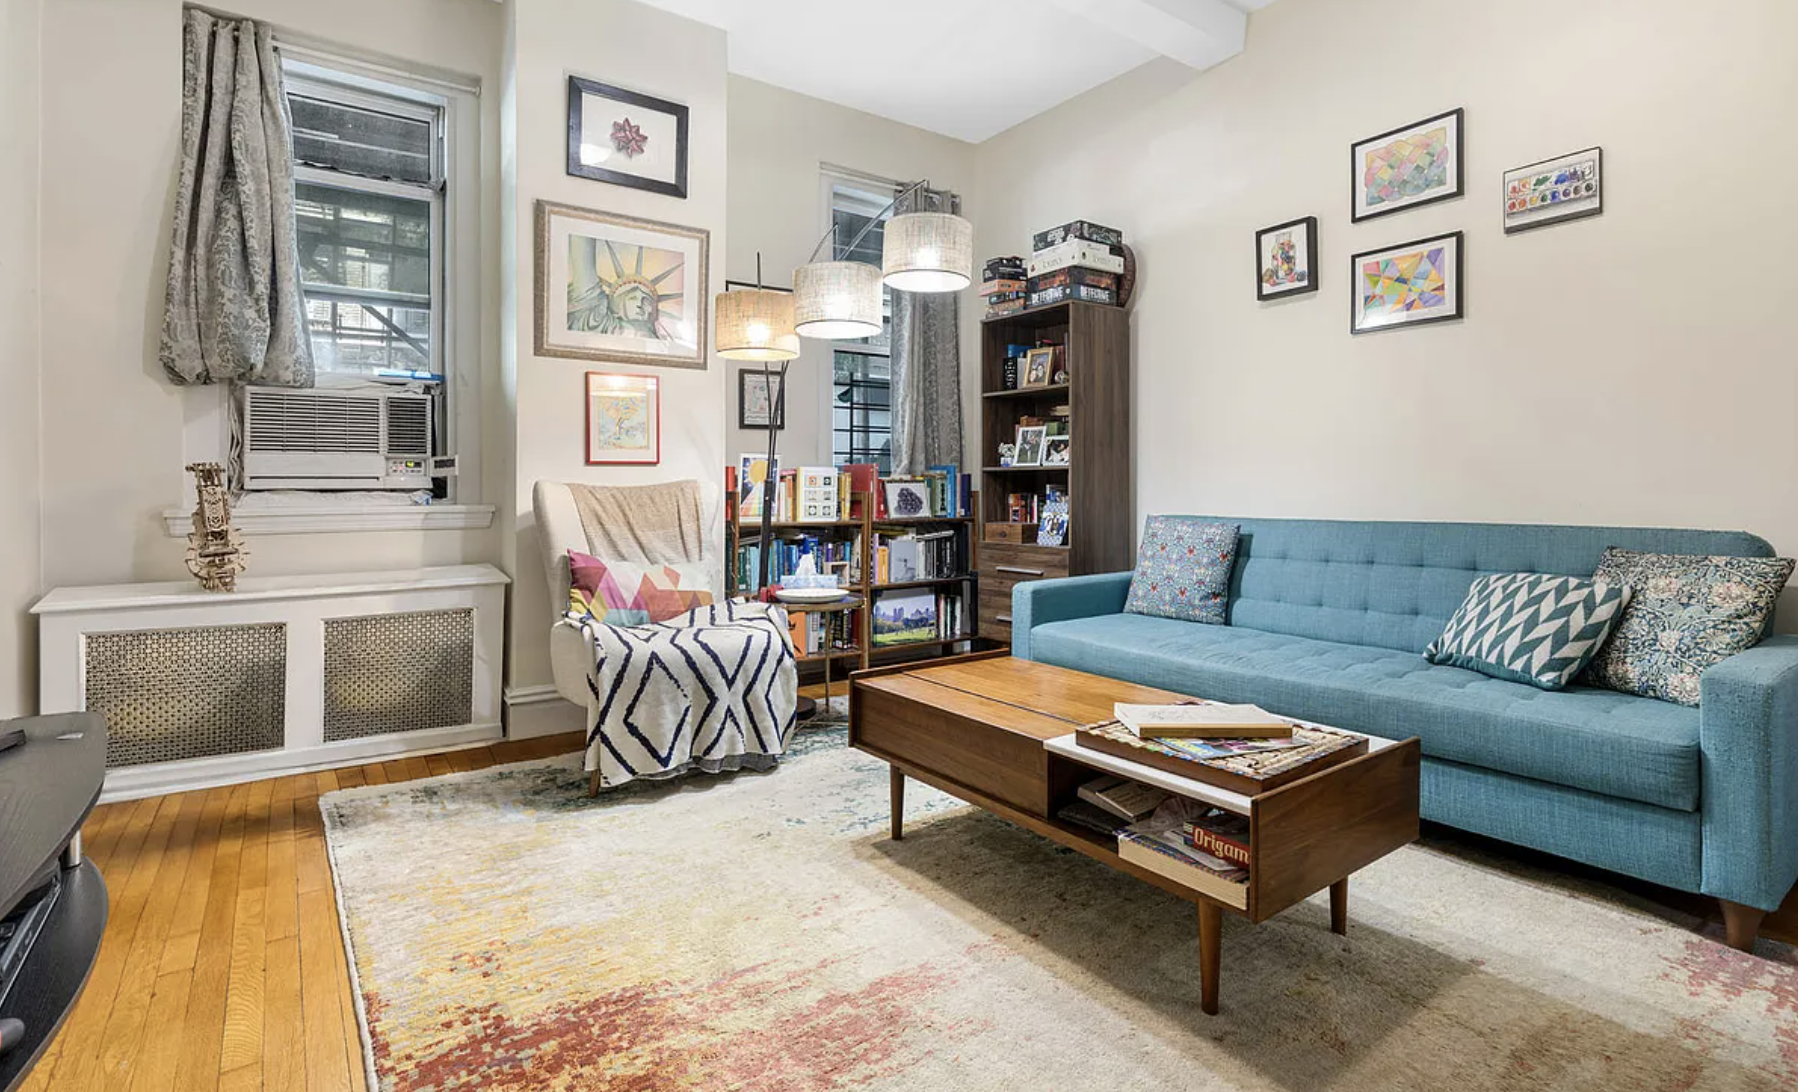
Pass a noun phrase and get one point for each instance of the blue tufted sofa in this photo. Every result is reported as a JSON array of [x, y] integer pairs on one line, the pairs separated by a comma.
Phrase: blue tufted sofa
[[1328, 621]]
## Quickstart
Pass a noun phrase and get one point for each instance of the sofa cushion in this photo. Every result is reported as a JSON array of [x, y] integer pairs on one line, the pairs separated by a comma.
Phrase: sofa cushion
[[1688, 613], [1584, 738], [1183, 569], [1530, 627]]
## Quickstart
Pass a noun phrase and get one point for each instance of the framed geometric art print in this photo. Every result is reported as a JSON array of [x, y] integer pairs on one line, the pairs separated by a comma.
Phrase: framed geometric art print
[[1286, 259], [1407, 285], [624, 419], [1412, 165], [618, 288], [626, 138], [1569, 187]]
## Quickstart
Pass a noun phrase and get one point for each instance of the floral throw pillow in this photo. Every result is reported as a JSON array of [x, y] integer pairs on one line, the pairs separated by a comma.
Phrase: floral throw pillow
[[632, 595], [1687, 613], [1183, 569]]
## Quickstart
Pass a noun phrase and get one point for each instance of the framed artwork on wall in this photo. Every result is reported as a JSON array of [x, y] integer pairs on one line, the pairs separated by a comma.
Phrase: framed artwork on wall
[[626, 138], [1413, 165], [755, 409], [1568, 187], [1286, 258], [618, 288], [1407, 285], [624, 419]]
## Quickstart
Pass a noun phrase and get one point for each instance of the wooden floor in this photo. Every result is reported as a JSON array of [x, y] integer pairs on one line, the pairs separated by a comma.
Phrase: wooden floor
[[223, 964]]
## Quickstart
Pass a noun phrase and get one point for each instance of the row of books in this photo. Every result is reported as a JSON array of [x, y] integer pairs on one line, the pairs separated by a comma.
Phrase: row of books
[[826, 494], [1172, 835], [815, 632], [904, 557], [838, 555]]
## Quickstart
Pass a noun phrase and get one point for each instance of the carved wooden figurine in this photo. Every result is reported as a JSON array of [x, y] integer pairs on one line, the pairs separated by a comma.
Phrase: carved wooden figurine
[[215, 549]]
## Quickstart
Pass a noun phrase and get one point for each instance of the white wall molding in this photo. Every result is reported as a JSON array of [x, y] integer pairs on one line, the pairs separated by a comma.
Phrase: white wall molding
[[328, 519], [536, 711]]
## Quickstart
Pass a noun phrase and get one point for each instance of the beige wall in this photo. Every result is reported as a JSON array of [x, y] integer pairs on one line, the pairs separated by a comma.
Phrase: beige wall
[[780, 141], [1635, 368], [113, 427], [20, 566], [608, 40]]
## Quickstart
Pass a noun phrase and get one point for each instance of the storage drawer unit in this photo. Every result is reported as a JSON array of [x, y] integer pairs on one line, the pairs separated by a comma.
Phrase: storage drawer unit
[[1004, 566]]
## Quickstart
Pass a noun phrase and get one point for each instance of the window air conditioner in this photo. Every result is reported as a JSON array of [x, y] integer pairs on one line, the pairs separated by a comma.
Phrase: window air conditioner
[[336, 439]]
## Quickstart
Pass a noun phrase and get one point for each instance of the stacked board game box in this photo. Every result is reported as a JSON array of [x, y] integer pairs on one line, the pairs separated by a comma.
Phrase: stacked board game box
[[1075, 261], [1003, 286]]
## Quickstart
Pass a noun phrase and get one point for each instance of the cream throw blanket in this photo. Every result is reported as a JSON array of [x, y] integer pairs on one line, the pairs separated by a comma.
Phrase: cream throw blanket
[[641, 524]]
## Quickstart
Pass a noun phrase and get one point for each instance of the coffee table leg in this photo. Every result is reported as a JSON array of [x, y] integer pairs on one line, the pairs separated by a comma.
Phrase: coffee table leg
[[1339, 907], [1211, 927], [898, 802]]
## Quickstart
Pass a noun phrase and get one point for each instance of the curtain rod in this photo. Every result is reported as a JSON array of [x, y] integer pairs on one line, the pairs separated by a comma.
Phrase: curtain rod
[[306, 46]]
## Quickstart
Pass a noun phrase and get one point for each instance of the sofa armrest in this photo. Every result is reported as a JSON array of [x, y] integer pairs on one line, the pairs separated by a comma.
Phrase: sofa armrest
[[1748, 736], [1039, 602]]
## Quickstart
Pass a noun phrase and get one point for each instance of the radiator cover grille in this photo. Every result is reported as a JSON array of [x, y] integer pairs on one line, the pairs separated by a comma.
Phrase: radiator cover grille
[[176, 694], [398, 673]]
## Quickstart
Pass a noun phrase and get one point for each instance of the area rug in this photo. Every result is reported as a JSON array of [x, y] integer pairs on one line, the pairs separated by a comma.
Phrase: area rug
[[760, 931]]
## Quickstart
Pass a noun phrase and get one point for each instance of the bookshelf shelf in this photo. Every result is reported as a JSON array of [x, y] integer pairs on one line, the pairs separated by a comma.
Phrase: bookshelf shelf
[[941, 581], [1029, 392]]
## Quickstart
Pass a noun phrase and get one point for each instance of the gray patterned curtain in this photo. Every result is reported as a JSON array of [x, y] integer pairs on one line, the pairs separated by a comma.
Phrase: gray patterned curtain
[[926, 363], [234, 311]]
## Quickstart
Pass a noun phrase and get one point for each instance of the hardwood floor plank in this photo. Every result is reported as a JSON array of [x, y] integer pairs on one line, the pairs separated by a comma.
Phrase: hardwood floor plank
[[460, 761], [283, 1038], [202, 1033], [327, 1056], [281, 908], [183, 944], [350, 778], [438, 765], [374, 774], [416, 768], [154, 1070], [310, 861], [246, 1079]]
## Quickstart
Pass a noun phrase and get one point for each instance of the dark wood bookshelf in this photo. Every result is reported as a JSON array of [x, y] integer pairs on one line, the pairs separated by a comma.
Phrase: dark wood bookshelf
[[1097, 478]]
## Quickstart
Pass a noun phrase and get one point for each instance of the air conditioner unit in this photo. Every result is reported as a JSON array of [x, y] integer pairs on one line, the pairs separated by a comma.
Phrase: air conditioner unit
[[336, 439]]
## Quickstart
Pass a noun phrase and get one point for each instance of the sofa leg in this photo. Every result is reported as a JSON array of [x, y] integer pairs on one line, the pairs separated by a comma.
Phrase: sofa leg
[[1740, 925], [593, 784]]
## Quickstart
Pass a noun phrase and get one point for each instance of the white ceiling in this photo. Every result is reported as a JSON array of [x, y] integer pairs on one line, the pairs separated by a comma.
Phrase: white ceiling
[[964, 68]]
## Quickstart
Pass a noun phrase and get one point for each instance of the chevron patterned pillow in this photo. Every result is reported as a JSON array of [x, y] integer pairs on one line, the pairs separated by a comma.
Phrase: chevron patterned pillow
[[1530, 627]]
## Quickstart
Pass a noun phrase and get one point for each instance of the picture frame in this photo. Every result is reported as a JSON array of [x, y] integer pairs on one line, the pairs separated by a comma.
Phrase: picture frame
[[1286, 259], [907, 498], [620, 288], [904, 618], [1039, 368], [1554, 191], [1030, 445], [1408, 284], [1408, 167], [626, 138], [753, 399], [624, 419], [1058, 450]]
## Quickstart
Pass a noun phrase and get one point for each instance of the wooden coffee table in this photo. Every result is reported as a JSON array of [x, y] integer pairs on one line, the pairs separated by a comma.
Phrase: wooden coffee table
[[998, 733]]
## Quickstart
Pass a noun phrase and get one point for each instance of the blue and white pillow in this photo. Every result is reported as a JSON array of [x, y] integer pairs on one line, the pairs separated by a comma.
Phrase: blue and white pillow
[[1530, 627], [1183, 569]]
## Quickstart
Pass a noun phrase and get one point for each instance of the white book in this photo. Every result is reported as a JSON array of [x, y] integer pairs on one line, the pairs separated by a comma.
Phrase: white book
[[1210, 720]]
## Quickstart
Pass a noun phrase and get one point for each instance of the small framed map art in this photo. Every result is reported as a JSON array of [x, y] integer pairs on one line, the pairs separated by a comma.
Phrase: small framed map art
[[1286, 258], [1412, 165], [624, 419], [1554, 191], [626, 138]]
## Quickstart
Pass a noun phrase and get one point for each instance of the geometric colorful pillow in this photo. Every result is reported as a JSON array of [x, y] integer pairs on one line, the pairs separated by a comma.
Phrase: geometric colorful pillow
[[1530, 627], [1689, 612], [619, 594], [1183, 569]]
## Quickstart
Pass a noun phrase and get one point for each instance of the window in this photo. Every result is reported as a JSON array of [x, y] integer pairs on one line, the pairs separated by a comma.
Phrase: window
[[861, 403], [368, 199]]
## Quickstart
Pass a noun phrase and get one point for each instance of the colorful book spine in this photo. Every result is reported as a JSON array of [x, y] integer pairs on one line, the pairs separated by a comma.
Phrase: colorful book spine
[[1219, 845]]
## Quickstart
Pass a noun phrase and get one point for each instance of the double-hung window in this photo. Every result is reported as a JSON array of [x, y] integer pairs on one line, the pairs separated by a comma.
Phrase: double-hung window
[[861, 391]]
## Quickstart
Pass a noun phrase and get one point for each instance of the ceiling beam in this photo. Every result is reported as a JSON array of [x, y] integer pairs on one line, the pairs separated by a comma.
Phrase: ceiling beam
[[1197, 33]]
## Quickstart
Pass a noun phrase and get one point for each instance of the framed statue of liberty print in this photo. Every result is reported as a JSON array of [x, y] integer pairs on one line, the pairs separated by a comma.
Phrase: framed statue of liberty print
[[620, 288]]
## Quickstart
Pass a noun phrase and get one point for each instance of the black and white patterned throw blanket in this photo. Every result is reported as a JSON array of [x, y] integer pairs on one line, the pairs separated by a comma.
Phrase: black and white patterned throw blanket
[[714, 689]]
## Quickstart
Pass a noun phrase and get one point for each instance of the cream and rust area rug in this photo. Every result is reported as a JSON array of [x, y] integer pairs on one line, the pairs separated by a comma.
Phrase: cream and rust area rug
[[759, 931]]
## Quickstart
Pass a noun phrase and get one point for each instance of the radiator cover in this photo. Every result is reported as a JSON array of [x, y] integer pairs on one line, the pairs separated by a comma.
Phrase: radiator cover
[[398, 673], [173, 694]]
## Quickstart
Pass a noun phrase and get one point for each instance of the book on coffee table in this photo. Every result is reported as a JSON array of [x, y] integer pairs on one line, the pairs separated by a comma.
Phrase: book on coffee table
[[1201, 720], [1246, 772]]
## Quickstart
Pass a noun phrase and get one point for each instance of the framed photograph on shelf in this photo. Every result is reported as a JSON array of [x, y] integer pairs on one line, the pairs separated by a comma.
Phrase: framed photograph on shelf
[[626, 138], [1052, 524], [619, 288], [1286, 257], [1569, 187], [1057, 450], [755, 407], [1030, 445], [1415, 164], [1407, 285], [1039, 367], [624, 419], [903, 618], [907, 498]]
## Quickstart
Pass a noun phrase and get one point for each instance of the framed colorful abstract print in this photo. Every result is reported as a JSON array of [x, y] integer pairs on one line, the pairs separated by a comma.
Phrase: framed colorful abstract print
[[1412, 165], [626, 139], [1407, 285], [619, 288], [624, 419], [1286, 259], [1554, 191]]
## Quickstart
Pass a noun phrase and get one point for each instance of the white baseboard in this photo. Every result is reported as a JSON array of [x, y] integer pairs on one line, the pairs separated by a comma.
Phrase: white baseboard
[[135, 782], [535, 711]]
